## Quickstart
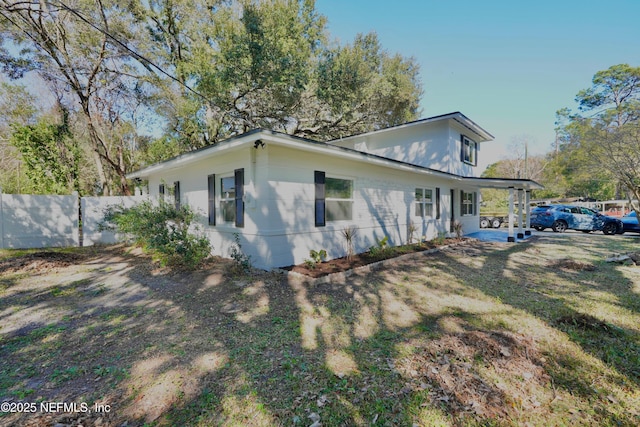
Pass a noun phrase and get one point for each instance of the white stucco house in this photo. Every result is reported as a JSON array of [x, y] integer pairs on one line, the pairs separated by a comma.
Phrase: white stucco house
[[286, 195]]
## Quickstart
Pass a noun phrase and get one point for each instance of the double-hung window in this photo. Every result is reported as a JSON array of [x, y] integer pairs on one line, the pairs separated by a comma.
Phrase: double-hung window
[[424, 202], [333, 199], [467, 203], [339, 199], [469, 152], [231, 199], [228, 199]]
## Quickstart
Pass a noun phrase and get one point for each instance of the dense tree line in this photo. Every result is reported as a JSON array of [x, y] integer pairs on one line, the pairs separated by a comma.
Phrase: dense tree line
[[199, 70], [600, 143], [597, 150]]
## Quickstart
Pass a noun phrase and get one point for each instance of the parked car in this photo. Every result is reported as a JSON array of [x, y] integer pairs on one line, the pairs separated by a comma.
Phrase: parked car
[[565, 217], [630, 223]]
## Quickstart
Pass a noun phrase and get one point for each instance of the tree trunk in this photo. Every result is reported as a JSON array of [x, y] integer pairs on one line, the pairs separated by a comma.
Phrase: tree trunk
[[101, 155]]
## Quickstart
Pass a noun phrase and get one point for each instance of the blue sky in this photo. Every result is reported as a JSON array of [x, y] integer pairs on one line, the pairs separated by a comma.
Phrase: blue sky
[[507, 65]]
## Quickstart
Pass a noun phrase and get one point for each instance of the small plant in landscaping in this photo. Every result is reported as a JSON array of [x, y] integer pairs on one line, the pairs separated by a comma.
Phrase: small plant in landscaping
[[382, 249], [440, 239], [243, 261], [457, 228], [412, 228], [349, 234], [316, 258]]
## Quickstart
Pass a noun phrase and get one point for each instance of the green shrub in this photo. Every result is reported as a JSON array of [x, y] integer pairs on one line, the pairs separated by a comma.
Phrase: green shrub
[[162, 230]]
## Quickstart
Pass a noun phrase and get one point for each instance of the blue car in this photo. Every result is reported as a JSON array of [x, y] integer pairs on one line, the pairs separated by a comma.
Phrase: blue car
[[630, 223], [565, 217]]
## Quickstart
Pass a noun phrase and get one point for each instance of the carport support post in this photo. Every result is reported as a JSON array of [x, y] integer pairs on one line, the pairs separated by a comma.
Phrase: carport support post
[[520, 233], [511, 238], [527, 201]]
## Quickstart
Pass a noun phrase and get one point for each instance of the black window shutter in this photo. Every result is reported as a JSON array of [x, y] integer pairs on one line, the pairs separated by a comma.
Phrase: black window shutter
[[161, 189], [211, 185], [437, 202], [475, 203], [461, 202], [318, 179], [176, 194], [239, 184], [462, 148], [475, 154], [452, 206]]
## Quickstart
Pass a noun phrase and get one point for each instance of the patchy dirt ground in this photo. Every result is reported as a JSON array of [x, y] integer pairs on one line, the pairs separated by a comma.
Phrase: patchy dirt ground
[[571, 264], [460, 337], [40, 262], [445, 367]]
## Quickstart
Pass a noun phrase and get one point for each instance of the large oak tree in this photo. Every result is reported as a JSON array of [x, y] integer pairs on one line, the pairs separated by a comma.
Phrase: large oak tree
[[208, 69]]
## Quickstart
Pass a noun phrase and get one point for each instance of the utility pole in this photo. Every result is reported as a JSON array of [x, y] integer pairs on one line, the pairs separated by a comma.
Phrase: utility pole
[[526, 159]]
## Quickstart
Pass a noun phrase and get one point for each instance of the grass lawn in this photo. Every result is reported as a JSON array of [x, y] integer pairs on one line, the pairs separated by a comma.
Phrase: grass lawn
[[530, 334]]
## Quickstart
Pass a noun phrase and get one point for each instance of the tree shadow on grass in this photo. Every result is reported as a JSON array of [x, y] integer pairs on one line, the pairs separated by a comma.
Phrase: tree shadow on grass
[[535, 288], [214, 348], [327, 351]]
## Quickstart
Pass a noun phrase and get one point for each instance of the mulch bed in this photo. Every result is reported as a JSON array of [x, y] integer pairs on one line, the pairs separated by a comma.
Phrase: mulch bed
[[343, 264]]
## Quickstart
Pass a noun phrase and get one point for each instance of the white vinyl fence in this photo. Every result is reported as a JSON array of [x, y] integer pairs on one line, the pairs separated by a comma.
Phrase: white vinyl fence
[[93, 209], [38, 221], [35, 221]]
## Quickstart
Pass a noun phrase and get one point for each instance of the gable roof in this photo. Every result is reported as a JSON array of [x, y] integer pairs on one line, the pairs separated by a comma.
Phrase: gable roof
[[254, 138], [481, 134]]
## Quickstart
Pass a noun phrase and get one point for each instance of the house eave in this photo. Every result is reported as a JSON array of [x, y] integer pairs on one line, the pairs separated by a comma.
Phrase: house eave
[[505, 183], [270, 137], [480, 135], [248, 140], [284, 140], [227, 146]]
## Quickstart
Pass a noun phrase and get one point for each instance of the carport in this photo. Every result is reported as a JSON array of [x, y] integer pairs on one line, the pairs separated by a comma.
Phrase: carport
[[520, 190]]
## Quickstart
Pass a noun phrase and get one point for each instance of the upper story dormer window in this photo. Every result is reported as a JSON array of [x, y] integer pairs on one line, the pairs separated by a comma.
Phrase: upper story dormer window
[[469, 153]]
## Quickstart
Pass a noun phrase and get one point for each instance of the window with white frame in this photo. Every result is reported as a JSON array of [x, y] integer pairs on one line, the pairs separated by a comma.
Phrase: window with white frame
[[424, 202], [467, 203], [469, 151], [228, 198], [338, 199]]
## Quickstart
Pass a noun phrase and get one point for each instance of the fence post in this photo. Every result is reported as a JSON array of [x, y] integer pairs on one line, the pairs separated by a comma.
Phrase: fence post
[[1, 221]]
